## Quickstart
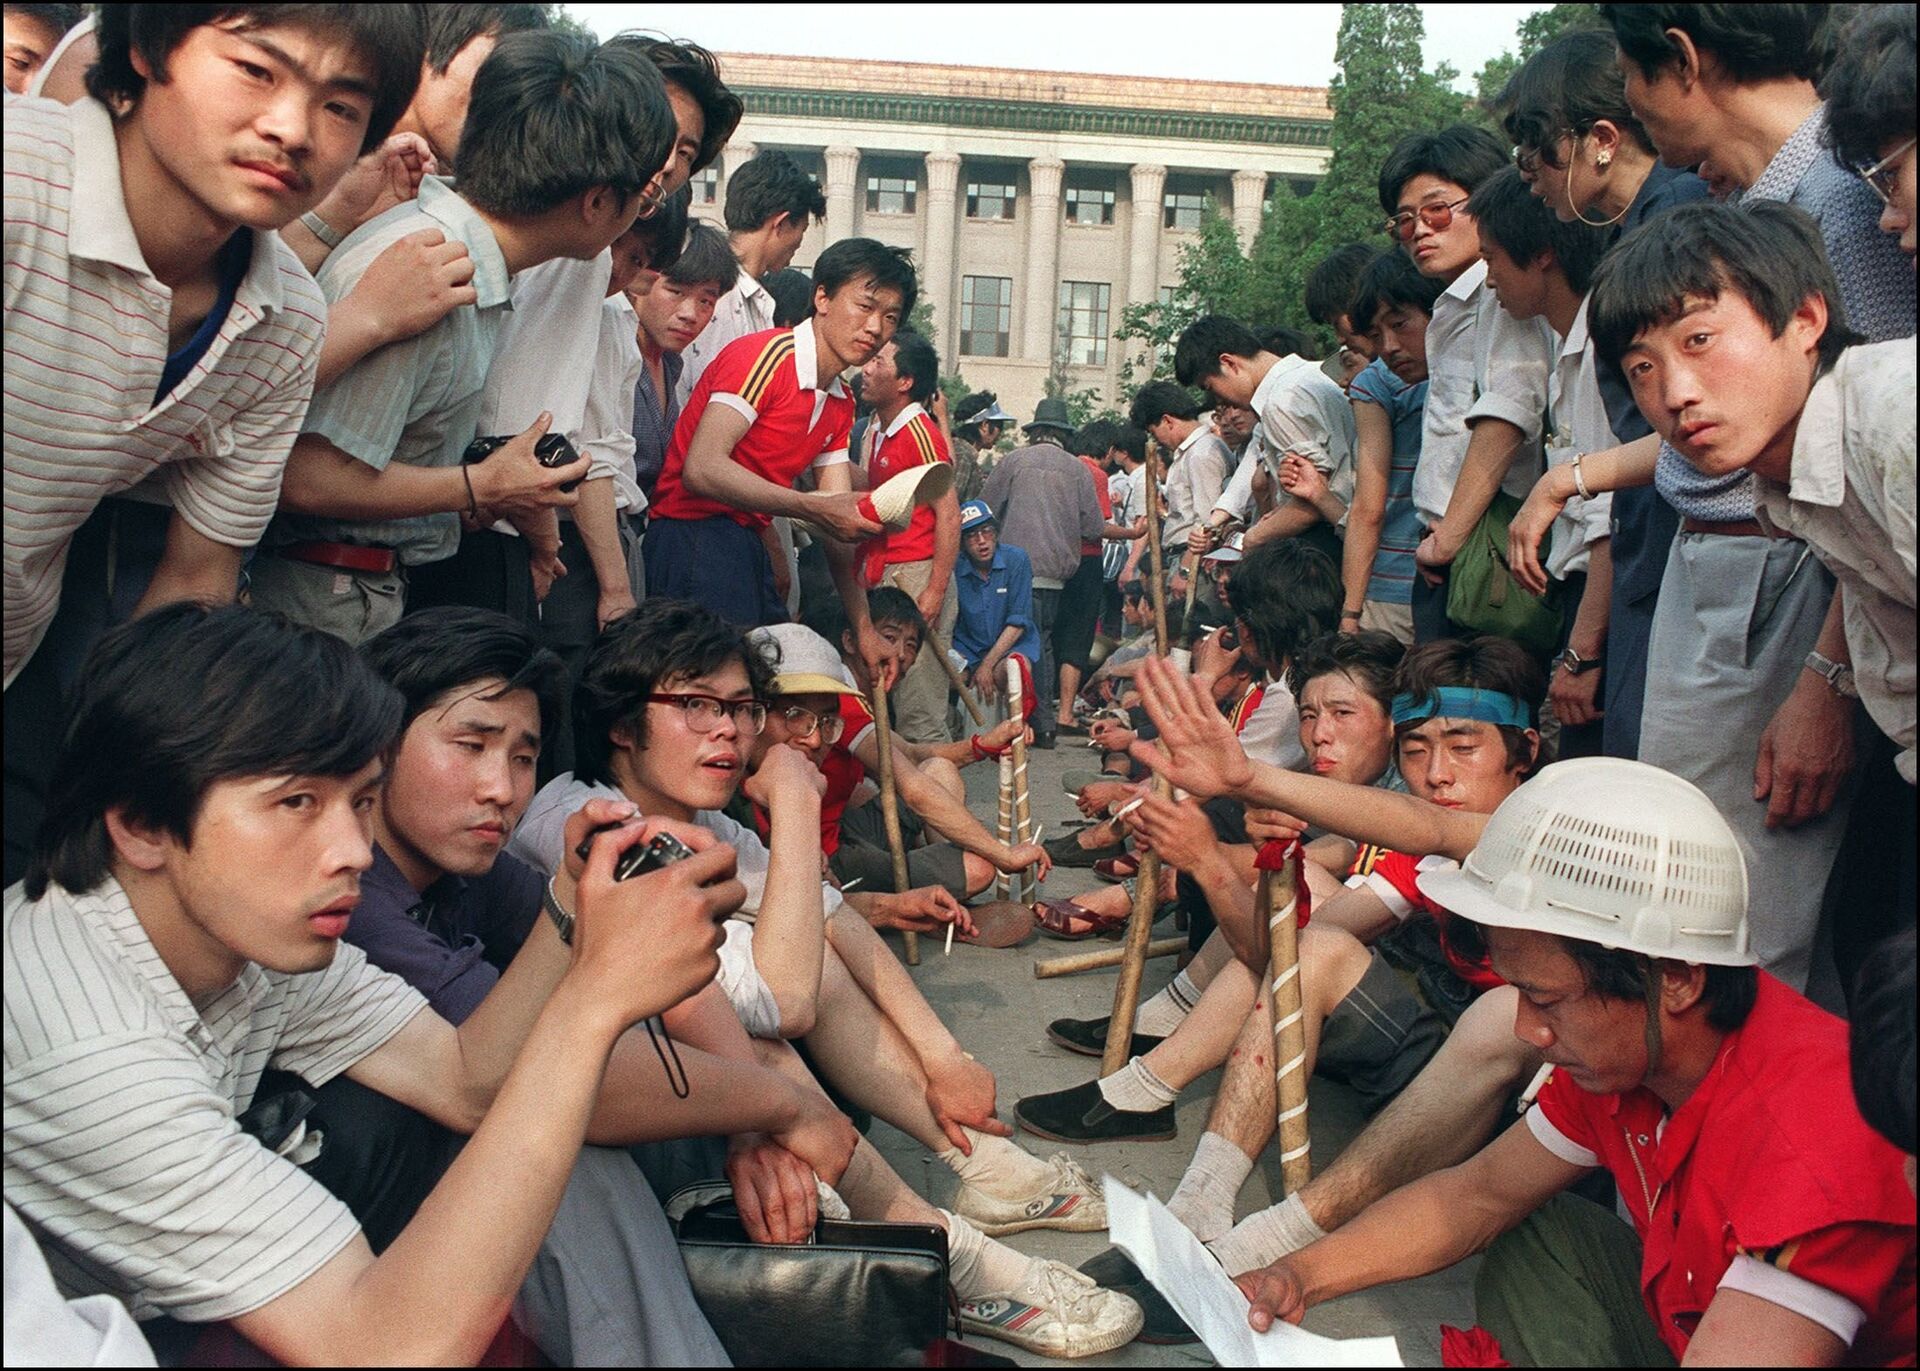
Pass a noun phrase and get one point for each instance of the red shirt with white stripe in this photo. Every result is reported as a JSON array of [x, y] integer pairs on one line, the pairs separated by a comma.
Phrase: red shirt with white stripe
[[911, 440], [1393, 877]]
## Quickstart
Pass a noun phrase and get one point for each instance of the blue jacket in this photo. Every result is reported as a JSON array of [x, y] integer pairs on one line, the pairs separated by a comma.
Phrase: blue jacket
[[991, 602]]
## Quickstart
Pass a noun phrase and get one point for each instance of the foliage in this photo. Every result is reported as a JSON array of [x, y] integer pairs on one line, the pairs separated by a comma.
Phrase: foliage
[[1535, 32], [920, 319]]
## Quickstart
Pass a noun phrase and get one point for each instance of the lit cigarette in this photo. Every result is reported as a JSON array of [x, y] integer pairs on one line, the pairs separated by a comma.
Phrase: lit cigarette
[[851, 884], [948, 951], [1129, 806], [1540, 1079], [1036, 833]]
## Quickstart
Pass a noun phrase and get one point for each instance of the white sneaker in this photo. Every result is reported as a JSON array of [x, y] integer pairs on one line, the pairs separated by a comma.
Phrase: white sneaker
[[1069, 1199], [1056, 1312]]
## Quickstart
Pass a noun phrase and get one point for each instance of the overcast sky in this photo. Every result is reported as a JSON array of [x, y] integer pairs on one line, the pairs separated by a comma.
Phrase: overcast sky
[[1288, 45]]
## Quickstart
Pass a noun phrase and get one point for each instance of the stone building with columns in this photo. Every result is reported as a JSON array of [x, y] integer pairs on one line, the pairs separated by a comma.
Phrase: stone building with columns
[[1038, 204]]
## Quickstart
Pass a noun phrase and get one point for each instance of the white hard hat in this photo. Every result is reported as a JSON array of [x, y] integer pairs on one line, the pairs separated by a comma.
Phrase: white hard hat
[[1612, 852]]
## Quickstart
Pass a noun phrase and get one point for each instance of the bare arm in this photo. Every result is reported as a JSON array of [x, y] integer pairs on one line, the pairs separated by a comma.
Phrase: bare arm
[[788, 934], [192, 567], [598, 520], [321, 479], [938, 809], [1614, 468], [946, 549], [1739, 1329], [412, 285], [1288, 521], [1372, 466], [1491, 449]]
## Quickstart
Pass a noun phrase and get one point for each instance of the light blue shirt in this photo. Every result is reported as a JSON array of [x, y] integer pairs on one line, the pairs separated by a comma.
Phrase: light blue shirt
[[988, 604], [415, 401], [1391, 580]]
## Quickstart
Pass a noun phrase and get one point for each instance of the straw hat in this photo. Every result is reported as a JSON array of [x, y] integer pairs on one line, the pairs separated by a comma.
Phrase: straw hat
[[892, 503]]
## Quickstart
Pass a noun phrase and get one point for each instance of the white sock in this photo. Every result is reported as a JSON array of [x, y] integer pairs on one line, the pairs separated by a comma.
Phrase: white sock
[[1262, 1238], [1165, 1011], [1204, 1199], [997, 1166], [1134, 1089], [977, 1264]]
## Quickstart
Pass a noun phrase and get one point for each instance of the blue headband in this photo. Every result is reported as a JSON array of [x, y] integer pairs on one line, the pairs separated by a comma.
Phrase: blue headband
[[1463, 702]]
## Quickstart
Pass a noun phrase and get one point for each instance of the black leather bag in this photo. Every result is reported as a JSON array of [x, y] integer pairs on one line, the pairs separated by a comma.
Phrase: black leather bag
[[857, 1294]]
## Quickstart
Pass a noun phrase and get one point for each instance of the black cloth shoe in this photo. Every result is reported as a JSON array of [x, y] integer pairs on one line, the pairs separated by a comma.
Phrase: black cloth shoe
[[1066, 851], [1081, 1114], [1114, 1270], [1088, 1037], [1046, 742]]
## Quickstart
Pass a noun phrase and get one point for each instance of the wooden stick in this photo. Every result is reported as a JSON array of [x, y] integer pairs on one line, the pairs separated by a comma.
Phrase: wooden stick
[[939, 649], [1096, 961], [1146, 891], [1022, 801], [889, 809], [1278, 902], [1003, 881]]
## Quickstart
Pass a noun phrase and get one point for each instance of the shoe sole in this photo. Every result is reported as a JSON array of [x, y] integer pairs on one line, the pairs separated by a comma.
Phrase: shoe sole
[[1080, 1049], [1105, 1342], [1167, 1136]]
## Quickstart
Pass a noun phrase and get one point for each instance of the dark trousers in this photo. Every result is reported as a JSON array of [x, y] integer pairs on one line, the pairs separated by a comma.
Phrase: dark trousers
[[716, 563], [1430, 619], [1579, 740], [1871, 894], [489, 571], [569, 624], [1078, 615], [1046, 671], [1643, 528]]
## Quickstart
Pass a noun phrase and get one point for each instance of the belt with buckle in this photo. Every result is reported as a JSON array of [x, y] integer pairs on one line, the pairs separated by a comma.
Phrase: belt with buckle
[[346, 556]]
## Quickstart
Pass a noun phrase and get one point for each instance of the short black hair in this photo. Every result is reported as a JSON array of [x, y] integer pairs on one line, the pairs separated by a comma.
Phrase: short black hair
[[1288, 594], [451, 27], [1869, 92], [705, 261], [1460, 153], [1330, 284], [637, 655], [58, 18], [1282, 340], [434, 651], [892, 605], [1391, 281], [868, 259], [915, 359], [686, 64], [1092, 439], [1484, 662], [770, 184], [665, 230], [553, 115], [390, 37], [1882, 1033], [188, 696], [1203, 342], [1158, 400], [978, 402], [1616, 974], [792, 292], [1568, 86], [1752, 43], [1131, 439], [1768, 253], [1518, 222], [1369, 657]]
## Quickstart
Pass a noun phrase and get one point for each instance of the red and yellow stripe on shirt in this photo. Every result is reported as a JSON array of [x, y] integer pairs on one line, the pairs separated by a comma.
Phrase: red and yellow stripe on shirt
[[915, 443], [1243, 711]]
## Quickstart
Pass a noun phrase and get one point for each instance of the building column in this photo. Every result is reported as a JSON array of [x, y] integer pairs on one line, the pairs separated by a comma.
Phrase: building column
[[1249, 194], [936, 266], [1043, 255], [1143, 257], [732, 157], [843, 176]]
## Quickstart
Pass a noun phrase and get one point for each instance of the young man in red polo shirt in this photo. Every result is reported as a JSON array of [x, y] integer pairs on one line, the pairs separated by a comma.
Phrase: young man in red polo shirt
[[898, 381], [1770, 1225], [779, 410]]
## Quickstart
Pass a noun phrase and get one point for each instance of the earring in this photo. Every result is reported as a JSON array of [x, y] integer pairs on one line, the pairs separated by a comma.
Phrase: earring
[[1602, 158]]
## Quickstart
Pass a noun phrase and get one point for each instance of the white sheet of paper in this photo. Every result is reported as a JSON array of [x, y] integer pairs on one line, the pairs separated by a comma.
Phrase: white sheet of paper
[[1169, 1255]]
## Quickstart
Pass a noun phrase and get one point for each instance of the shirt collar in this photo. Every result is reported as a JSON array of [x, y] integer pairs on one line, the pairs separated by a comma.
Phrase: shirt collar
[[1818, 474], [440, 202], [108, 903], [1575, 342], [1272, 381], [1199, 431], [806, 361], [1466, 283], [1794, 160], [904, 417]]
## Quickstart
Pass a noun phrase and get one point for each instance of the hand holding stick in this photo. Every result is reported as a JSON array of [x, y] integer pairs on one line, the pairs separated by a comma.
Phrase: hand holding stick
[[889, 809]]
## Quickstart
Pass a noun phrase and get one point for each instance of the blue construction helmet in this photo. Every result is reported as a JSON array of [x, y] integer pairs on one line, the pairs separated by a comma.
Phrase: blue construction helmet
[[975, 513]]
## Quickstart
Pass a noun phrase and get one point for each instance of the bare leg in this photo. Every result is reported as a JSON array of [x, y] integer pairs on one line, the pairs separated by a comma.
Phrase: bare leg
[[866, 1057], [1207, 1035], [1069, 688]]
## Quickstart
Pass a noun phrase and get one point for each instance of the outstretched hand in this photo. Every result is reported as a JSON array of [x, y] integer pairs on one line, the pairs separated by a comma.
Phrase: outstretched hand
[[1197, 750]]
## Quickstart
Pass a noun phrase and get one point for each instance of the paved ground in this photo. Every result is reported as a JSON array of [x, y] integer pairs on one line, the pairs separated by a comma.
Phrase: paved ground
[[999, 1011]]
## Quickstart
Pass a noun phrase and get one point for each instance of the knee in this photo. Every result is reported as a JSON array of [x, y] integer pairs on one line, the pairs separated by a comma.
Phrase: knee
[[980, 874], [1484, 1034], [1332, 961]]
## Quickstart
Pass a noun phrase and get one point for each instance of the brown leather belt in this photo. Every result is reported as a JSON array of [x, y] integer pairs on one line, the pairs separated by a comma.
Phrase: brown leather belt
[[346, 556], [1738, 528]]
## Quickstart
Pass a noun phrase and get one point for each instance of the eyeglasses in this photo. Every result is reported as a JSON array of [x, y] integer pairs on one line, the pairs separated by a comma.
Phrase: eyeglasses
[[1879, 174], [652, 196], [703, 713], [1436, 217], [804, 723]]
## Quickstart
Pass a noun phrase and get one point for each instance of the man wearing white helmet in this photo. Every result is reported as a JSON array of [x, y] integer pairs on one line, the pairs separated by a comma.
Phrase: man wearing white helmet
[[1770, 1224]]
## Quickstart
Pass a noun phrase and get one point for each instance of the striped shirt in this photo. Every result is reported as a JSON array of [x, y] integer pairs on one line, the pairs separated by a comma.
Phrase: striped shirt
[[122, 1148], [1391, 580], [87, 336]]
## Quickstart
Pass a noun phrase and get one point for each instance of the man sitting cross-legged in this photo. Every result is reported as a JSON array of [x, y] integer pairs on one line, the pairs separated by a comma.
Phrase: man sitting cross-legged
[[1374, 1015], [674, 696], [179, 931]]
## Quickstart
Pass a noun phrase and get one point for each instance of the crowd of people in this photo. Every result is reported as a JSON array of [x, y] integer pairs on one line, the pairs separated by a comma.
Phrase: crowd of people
[[481, 528]]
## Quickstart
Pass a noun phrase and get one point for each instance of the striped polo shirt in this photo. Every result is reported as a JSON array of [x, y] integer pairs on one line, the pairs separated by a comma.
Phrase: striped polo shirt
[[123, 1152], [86, 339]]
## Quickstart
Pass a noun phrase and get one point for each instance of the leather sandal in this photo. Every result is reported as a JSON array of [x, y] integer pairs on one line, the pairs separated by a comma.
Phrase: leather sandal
[[1056, 919]]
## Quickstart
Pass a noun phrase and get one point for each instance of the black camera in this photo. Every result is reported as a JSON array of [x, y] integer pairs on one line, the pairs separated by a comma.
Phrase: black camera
[[663, 849], [551, 451]]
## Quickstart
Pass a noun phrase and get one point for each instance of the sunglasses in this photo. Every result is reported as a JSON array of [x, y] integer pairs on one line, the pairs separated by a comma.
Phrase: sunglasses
[[1436, 217], [1880, 174]]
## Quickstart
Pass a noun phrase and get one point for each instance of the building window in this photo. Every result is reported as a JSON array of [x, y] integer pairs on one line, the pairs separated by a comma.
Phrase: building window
[[989, 200], [706, 187], [986, 315], [1185, 209], [892, 194], [1083, 321], [1089, 205]]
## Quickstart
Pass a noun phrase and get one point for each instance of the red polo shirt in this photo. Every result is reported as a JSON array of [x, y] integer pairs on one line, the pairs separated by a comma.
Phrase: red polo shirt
[[1394, 877], [793, 423], [911, 440], [1766, 1180]]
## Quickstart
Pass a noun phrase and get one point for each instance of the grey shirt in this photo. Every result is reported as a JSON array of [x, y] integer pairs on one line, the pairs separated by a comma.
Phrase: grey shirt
[[1047, 506]]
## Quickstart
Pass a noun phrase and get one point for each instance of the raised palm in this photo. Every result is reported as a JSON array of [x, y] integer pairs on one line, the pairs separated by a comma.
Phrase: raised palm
[[1197, 750]]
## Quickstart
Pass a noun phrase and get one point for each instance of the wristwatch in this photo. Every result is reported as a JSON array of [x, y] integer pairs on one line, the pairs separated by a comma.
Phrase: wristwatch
[[1576, 665], [562, 921], [1837, 675]]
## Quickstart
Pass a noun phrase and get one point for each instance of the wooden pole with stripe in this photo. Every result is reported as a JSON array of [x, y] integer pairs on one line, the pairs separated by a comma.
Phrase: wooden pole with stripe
[[889, 808], [1282, 902], [1023, 881]]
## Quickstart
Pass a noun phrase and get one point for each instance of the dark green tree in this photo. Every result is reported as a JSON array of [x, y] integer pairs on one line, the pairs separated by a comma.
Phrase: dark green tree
[[1534, 32]]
